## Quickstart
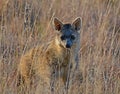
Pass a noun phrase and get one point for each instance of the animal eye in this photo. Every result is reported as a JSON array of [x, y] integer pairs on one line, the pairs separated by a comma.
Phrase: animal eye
[[62, 37], [72, 37]]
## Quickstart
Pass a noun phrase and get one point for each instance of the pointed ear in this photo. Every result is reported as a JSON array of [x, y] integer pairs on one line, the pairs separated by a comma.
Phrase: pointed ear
[[57, 24], [77, 23]]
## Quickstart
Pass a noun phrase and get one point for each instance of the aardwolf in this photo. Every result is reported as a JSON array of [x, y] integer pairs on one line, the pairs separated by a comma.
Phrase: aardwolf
[[53, 59]]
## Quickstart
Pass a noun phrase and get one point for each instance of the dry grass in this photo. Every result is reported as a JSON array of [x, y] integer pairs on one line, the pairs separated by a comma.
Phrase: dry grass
[[26, 23]]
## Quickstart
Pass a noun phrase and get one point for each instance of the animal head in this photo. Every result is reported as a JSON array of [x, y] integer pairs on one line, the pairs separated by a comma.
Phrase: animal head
[[67, 34]]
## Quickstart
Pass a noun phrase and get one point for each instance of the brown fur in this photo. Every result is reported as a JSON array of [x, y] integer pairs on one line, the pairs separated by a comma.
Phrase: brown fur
[[40, 60]]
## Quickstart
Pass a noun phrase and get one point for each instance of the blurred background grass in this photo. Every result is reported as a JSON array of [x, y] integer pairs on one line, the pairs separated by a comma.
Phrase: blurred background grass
[[27, 23]]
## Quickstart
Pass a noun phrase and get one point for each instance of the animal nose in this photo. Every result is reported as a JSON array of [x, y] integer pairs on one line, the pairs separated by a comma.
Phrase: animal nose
[[68, 46]]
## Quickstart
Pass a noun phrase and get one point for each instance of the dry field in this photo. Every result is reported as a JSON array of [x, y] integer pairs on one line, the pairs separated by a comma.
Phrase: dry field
[[27, 23]]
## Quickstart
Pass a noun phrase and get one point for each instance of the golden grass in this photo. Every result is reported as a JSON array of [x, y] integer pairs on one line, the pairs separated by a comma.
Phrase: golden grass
[[27, 23]]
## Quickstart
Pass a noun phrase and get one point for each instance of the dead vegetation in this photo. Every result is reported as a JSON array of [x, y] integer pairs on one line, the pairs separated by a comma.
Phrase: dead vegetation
[[27, 23]]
